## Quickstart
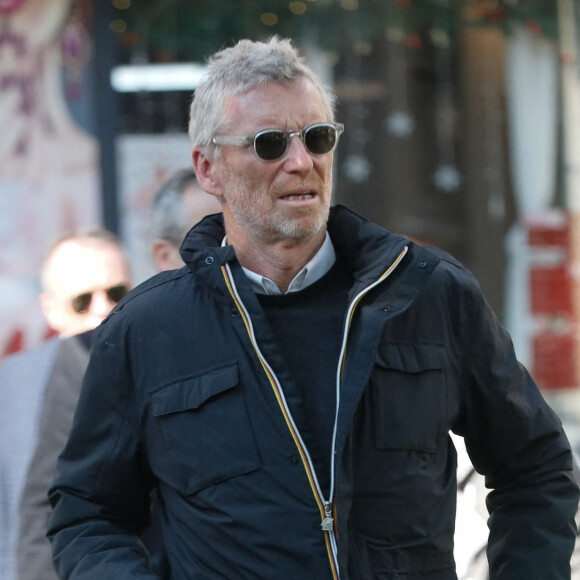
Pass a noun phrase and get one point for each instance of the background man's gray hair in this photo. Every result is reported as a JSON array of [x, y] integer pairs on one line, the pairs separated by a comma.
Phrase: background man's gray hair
[[168, 218], [236, 70]]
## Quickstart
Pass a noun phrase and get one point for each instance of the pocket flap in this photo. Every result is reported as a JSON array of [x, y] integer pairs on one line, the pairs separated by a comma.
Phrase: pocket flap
[[193, 392], [411, 358]]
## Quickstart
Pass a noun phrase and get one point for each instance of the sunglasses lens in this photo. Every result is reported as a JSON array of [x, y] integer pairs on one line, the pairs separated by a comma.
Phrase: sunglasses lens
[[117, 292], [271, 145], [81, 302], [320, 139]]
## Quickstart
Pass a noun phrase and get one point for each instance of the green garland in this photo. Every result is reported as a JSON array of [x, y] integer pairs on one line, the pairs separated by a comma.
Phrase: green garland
[[192, 29]]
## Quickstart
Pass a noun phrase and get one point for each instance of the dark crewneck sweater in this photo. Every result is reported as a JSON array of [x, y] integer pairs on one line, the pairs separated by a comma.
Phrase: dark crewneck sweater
[[309, 326]]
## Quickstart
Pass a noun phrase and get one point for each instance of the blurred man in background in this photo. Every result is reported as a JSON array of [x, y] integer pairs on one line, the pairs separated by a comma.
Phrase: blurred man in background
[[177, 206], [84, 275]]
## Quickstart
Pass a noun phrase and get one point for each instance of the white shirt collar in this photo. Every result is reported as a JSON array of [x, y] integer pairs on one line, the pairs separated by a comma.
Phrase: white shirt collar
[[317, 267]]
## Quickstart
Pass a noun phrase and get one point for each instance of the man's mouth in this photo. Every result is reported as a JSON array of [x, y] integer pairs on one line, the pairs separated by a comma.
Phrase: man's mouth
[[298, 196]]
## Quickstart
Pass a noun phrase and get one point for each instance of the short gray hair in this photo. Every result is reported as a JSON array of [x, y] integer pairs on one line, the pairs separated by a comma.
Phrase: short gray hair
[[237, 70], [168, 217]]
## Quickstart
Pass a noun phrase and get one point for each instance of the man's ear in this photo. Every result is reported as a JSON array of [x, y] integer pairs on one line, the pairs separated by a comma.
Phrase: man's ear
[[204, 168], [165, 255]]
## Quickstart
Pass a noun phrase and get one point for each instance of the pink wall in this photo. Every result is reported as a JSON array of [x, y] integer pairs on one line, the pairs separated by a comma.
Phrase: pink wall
[[49, 180]]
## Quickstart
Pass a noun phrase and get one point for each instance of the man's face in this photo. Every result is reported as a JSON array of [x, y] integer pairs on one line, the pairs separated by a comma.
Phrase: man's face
[[285, 200], [78, 268]]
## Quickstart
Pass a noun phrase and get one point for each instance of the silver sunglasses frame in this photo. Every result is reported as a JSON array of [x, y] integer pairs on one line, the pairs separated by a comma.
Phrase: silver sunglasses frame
[[246, 140]]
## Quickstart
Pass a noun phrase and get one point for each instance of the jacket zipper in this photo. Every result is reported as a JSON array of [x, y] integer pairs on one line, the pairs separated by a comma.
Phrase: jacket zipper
[[325, 505]]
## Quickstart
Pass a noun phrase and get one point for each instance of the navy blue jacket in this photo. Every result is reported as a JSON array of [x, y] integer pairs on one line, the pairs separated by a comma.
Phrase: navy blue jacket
[[180, 395]]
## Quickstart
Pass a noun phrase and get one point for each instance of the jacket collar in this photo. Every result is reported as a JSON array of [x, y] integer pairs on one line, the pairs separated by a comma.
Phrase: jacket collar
[[363, 244], [366, 247]]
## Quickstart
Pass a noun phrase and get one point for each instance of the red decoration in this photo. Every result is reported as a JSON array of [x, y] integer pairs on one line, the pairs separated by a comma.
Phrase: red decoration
[[551, 303], [550, 235], [413, 41], [551, 291], [554, 360], [567, 57], [130, 39], [534, 28], [15, 343], [491, 13], [7, 6]]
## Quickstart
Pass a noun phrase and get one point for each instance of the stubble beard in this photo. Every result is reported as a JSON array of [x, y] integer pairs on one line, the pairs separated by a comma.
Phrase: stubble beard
[[274, 225]]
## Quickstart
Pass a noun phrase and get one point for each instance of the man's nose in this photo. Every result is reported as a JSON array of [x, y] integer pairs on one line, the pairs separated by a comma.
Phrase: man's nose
[[297, 157], [101, 304]]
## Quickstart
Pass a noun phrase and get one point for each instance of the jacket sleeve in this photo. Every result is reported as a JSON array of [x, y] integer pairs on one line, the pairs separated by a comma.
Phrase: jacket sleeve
[[34, 554], [517, 442], [100, 497]]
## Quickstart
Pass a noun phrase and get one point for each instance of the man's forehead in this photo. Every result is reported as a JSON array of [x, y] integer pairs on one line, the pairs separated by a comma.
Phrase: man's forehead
[[83, 248], [78, 265], [265, 104]]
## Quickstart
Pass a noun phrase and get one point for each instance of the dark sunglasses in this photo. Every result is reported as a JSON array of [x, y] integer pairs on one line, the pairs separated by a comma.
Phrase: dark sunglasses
[[271, 144], [82, 302]]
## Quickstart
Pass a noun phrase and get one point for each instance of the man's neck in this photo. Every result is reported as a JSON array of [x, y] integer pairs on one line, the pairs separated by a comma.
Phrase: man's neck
[[279, 261]]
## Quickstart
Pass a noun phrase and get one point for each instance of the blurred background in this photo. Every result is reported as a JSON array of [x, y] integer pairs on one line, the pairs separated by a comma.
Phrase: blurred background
[[462, 131]]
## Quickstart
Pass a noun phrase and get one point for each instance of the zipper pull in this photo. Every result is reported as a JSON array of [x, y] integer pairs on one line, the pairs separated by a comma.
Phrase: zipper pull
[[328, 521]]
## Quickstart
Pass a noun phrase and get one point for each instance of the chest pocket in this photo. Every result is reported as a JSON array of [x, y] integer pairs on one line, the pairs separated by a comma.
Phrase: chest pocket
[[206, 428], [407, 392]]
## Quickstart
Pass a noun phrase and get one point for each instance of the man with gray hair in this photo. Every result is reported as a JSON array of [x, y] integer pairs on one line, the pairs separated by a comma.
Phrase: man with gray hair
[[290, 393]]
